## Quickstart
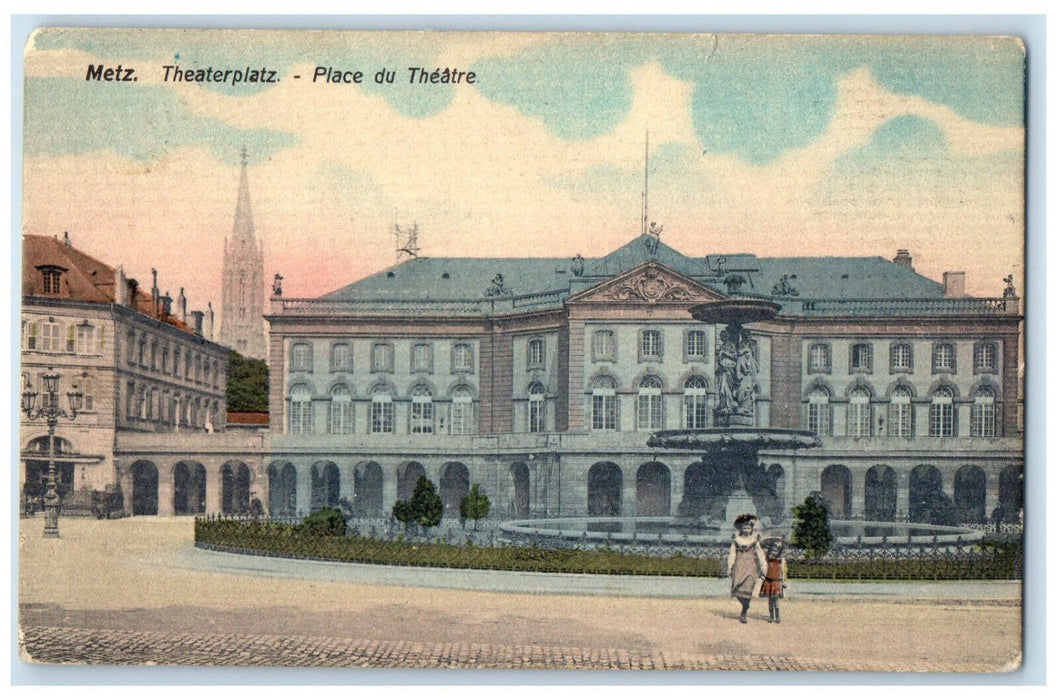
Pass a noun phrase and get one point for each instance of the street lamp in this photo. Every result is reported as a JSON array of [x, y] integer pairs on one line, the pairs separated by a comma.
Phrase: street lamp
[[50, 411]]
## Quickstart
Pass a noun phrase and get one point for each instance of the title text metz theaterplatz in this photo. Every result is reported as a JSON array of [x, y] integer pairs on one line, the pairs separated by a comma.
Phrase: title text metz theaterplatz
[[542, 379]]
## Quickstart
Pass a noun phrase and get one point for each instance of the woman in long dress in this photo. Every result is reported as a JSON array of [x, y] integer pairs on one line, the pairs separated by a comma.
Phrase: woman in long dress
[[746, 562]]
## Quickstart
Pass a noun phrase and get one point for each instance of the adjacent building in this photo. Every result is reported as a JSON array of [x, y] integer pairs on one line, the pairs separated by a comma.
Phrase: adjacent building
[[542, 379]]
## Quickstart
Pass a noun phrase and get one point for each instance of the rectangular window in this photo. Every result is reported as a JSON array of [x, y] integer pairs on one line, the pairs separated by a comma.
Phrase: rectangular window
[[341, 357], [861, 358], [985, 358], [421, 417], [818, 418], [604, 411], [421, 357], [650, 345], [603, 345], [536, 353], [943, 358], [88, 389], [695, 407], [461, 418], [859, 419], [381, 357], [382, 415], [695, 345], [983, 419], [340, 417], [900, 419], [535, 414], [649, 413], [301, 417], [50, 337], [301, 357], [71, 339], [818, 358], [461, 358], [31, 336], [901, 358], [941, 419]]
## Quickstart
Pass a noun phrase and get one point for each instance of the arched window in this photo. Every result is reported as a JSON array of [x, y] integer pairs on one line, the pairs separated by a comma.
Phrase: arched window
[[421, 411], [695, 403], [535, 408], [381, 410], [900, 413], [818, 409], [649, 404], [604, 404], [941, 413], [340, 410], [462, 422], [982, 421], [300, 410], [860, 415]]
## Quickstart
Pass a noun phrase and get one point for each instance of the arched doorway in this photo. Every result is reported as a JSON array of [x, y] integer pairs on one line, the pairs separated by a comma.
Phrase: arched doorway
[[604, 484], [880, 493], [235, 488], [189, 488], [406, 478], [326, 486], [368, 484], [1010, 494], [144, 488], [37, 470], [970, 492], [454, 486], [653, 490], [928, 503], [706, 488], [836, 490], [282, 489], [519, 474]]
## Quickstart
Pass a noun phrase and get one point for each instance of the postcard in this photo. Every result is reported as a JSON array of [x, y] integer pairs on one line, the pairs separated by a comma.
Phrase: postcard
[[506, 350]]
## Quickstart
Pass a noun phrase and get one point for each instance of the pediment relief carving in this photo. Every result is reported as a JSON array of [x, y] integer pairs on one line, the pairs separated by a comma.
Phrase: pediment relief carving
[[650, 284]]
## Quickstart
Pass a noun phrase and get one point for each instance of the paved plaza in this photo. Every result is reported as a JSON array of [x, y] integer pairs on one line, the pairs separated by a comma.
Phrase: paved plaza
[[135, 591]]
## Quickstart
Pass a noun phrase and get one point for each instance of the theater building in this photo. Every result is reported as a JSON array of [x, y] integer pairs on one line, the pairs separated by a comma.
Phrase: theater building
[[543, 378]]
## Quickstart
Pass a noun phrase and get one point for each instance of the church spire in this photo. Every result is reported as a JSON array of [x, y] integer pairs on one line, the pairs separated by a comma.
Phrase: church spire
[[243, 232]]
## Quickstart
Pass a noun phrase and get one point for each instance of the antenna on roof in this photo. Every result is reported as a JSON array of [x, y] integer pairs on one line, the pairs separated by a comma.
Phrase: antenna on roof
[[649, 228], [406, 240]]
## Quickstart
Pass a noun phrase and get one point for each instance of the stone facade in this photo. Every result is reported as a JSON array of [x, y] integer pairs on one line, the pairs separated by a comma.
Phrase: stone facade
[[545, 386]]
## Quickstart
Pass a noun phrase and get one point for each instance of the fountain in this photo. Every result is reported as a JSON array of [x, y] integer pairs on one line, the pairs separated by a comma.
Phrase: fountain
[[731, 448]]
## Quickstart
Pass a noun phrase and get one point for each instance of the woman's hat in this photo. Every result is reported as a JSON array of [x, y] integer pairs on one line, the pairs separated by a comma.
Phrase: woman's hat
[[744, 518]]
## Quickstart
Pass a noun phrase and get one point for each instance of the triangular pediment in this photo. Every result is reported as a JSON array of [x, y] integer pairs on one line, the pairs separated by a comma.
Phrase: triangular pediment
[[648, 283]]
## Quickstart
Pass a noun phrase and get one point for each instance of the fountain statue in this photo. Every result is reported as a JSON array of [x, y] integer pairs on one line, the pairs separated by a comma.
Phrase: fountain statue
[[736, 481]]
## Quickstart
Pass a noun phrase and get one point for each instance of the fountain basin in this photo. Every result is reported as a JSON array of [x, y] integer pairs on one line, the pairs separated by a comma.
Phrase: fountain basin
[[723, 439]]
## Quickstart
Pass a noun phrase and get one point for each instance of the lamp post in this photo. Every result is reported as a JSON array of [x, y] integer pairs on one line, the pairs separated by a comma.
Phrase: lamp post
[[50, 411]]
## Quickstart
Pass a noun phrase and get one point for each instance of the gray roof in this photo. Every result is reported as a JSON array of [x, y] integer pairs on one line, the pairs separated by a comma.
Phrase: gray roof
[[863, 285]]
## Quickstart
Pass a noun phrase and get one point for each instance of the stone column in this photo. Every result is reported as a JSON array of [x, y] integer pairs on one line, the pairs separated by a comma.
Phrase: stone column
[[214, 487], [627, 491], [858, 493], [165, 490], [990, 492], [678, 476], [902, 493], [388, 488], [304, 489], [347, 487]]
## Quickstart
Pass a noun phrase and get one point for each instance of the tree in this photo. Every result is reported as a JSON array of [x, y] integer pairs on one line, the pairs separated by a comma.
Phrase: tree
[[247, 383], [811, 526], [475, 505], [425, 507]]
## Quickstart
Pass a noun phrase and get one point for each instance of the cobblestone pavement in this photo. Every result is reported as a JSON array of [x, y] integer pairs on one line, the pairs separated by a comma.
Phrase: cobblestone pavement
[[62, 645]]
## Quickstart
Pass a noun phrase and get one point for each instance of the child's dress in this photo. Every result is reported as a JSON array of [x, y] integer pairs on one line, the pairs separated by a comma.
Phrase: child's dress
[[773, 579], [745, 564]]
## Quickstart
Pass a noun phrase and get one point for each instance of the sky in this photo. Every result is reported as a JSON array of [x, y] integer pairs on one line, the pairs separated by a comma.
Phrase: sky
[[777, 145]]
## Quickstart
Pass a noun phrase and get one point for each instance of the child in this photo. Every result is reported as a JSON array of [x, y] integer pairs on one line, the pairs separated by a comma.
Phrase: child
[[745, 562], [774, 578]]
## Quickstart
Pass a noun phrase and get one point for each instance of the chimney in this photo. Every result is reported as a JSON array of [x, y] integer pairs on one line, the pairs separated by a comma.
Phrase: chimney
[[197, 315], [166, 304], [181, 305], [154, 293], [903, 259], [209, 321], [133, 290], [954, 285], [120, 286]]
